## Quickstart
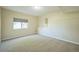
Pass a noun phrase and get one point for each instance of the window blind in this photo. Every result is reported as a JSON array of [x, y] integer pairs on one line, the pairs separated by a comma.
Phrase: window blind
[[20, 20]]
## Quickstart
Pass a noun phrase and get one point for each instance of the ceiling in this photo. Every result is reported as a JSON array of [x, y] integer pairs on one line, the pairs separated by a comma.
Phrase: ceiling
[[43, 10]]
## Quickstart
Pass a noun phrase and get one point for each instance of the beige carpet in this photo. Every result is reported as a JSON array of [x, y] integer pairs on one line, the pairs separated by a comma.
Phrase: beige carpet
[[37, 43]]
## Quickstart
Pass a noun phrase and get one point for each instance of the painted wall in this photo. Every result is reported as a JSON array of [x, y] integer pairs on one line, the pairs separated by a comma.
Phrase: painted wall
[[64, 26], [0, 24], [7, 24]]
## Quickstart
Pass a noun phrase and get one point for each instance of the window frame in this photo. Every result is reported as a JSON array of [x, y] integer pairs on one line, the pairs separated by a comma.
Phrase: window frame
[[21, 22]]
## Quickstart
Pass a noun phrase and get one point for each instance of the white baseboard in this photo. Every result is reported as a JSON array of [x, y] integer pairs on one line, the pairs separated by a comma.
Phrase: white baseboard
[[17, 37], [0, 40], [66, 40], [62, 39]]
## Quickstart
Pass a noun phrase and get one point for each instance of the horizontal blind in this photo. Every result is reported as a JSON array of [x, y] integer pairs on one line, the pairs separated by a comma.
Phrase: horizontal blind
[[20, 20]]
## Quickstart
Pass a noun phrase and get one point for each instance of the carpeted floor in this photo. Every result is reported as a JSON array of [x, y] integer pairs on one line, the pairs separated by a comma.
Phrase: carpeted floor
[[37, 43]]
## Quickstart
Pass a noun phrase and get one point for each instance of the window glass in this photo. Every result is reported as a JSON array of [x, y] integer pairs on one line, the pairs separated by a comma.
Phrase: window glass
[[24, 25], [16, 25]]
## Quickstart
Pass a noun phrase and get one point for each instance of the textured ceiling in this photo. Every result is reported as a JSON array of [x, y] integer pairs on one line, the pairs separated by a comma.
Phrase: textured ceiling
[[44, 9]]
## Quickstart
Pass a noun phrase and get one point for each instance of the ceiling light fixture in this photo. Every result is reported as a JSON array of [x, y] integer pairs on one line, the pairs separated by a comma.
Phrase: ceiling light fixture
[[37, 7]]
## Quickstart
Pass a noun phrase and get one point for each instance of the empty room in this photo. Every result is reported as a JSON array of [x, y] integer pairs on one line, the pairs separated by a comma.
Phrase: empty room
[[39, 29]]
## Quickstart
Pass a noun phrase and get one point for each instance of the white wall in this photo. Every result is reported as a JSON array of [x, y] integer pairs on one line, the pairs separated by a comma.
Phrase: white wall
[[0, 24], [7, 24], [64, 26]]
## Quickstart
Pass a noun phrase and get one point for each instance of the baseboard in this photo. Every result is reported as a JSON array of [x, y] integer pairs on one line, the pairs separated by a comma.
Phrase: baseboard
[[62, 39], [17, 37], [66, 40], [0, 40]]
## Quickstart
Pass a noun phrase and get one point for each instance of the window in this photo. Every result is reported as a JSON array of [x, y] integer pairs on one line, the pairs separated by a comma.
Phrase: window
[[16, 25], [20, 23], [24, 25]]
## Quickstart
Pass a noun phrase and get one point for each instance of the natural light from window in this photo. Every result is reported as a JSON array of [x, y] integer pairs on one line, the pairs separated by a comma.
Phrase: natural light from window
[[20, 24]]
